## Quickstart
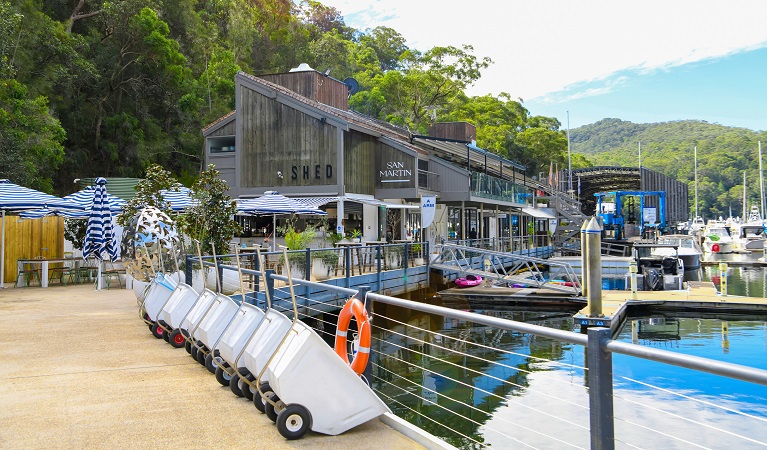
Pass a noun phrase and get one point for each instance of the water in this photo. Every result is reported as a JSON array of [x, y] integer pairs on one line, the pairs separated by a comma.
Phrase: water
[[503, 389]]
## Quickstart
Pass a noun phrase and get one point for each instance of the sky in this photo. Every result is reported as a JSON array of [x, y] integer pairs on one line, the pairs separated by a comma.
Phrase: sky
[[648, 61]]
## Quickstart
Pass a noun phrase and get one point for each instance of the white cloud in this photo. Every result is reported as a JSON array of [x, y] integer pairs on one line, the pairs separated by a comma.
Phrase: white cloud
[[542, 47]]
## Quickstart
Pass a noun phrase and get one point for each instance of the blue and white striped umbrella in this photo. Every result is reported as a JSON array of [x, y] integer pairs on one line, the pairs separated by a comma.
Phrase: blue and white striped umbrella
[[17, 198], [179, 200], [99, 234], [269, 204], [83, 198]]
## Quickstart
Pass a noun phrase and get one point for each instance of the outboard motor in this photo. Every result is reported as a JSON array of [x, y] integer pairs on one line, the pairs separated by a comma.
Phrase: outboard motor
[[652, 279]]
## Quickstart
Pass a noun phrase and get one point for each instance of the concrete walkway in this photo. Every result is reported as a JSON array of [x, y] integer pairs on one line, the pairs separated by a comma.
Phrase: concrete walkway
[[79, 369]]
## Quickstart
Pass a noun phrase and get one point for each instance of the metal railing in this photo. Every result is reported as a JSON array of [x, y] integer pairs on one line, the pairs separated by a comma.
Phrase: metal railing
[[429, 180], [488, 186], [407, 340]]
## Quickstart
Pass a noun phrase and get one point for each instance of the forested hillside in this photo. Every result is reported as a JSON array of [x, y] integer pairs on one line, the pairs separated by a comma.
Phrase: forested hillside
[[724, 153], [96, 88]]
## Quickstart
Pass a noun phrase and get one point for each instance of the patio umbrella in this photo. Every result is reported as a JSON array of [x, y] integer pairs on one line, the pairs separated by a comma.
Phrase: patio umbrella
[[99, 234], [274, 204], [179, 200], [15, 198], [83, 198]]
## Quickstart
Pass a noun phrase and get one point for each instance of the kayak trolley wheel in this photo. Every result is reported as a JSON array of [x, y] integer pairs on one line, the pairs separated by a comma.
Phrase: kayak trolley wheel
[[177, 339], [272, 411], [166, 335], [222, 376], [258, 400], [293, 422], [234, 384], [247, 391], [209, 363], [201, 357], [156, 331], [187, 345]]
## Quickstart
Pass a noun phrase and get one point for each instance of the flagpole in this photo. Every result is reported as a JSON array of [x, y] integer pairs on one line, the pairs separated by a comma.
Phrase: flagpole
[[696, 182], [761, 183]]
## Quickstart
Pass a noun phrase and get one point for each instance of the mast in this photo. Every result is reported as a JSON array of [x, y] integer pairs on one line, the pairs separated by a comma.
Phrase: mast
[[744, 197], [569, 160], [696, 182], [761, 183]]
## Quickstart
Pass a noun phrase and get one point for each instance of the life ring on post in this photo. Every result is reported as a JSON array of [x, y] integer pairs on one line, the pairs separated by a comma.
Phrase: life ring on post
[[354, 308]]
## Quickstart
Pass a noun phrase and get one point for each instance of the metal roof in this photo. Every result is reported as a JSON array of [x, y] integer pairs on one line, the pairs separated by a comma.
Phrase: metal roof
[[457, 153], [125, 188]]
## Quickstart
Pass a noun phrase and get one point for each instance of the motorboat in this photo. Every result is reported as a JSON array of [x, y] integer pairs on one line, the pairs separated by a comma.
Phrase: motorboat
[[750, 235], [686, 248], [659, 266], [716, 238]]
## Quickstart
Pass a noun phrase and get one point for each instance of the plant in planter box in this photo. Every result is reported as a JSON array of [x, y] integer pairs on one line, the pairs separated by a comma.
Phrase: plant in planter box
[[324, 263], [394, 256], [296, 240], [417, 256]]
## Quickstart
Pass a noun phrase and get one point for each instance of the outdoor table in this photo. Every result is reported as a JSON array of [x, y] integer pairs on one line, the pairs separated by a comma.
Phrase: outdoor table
[[44, 264]]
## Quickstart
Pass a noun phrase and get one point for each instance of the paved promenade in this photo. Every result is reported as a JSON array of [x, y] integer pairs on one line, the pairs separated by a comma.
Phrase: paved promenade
[[79, 370]]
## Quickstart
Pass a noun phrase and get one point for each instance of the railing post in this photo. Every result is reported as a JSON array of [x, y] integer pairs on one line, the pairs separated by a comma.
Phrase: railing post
[[378, 267], [307, 273], [600, 378], [269, 283], [428, 260], [348, 264], [188, 270], [367, 374], [257, 265]]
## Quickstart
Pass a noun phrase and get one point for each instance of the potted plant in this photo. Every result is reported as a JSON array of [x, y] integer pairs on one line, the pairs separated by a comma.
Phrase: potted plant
[[355, 234], [394, 256], [417, 255], [296, 240], [324, 264]]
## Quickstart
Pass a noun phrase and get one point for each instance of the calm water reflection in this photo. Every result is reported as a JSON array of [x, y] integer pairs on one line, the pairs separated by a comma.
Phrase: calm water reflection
[[477, 386]]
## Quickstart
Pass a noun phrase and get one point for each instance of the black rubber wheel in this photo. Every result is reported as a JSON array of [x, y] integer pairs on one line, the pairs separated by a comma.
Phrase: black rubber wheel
[[165, 335], [222, 376], [156, 331], [269, 410], [176, 339], [246, 389], [234, 384], [293, 422], [201, 356], [187, 345], [209, 363], [258, 401]]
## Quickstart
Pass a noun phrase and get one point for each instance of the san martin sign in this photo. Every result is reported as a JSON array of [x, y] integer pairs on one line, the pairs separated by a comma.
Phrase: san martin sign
[[395, 172]]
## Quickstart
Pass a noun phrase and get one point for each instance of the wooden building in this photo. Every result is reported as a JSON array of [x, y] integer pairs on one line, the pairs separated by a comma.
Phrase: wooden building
[[293, 133]]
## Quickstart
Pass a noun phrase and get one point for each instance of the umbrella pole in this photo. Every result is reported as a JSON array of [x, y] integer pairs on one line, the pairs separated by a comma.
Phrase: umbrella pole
[[98, 274], [2, 253], [274, 232]]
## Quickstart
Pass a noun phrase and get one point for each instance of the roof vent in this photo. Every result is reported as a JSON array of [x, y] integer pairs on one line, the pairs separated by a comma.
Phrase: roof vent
[[303, 67]]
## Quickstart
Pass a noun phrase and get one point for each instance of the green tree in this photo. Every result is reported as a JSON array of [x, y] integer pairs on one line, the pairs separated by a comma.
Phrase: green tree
[[211, 218], [148, 193]]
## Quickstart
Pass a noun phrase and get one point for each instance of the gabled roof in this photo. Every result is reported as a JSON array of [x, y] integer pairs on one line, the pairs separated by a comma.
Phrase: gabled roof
[[351, 119], [218, 123]]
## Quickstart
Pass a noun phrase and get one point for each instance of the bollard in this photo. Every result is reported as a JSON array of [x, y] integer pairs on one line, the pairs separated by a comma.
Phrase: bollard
[[584, 261], [633, 271], [723, 278], [593, 234], [725, 337]]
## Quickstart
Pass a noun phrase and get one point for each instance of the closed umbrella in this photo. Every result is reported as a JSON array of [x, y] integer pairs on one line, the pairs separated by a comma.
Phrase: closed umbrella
[[15, 198], [99, 234], [83, 198], [274, 204]]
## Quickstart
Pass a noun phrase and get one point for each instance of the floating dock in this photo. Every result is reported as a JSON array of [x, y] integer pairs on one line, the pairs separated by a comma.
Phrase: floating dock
[[700, 296]]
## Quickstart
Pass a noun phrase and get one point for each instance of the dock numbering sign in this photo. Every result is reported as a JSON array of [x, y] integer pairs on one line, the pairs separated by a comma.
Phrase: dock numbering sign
[[428, 207]]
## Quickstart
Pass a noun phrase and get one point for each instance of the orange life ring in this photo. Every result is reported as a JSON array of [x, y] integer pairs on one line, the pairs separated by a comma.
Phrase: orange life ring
[[354, 307]]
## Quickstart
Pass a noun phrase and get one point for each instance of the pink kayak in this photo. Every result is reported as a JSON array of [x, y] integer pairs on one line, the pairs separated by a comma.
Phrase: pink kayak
[[468, 281]]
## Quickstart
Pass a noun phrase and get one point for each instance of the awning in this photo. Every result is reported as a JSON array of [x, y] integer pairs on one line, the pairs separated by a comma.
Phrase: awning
[[537, 213], [319, 201]]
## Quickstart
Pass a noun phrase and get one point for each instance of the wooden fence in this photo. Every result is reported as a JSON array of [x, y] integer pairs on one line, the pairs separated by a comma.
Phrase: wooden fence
[[29, 238]]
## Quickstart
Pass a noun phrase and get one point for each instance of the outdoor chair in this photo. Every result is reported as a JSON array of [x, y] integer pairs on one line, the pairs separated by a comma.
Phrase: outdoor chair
[[87, 271], [61, 271], [112, 271], [28, 272]]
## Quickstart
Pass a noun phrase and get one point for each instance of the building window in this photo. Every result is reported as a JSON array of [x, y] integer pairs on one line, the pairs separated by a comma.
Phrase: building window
[[454, 223], [224, 144]]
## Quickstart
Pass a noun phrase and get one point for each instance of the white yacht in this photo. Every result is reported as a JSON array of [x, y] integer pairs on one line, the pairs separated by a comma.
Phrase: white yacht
[[687, 249], [716, 238], [749, 235]]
